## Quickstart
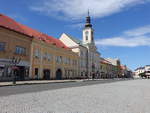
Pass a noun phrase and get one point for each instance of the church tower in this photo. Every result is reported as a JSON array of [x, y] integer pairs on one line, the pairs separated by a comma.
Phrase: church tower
[[88, 32]]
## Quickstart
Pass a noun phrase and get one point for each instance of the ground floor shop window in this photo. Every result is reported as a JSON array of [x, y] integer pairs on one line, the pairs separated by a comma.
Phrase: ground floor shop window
[[36, 73], [1, 71]]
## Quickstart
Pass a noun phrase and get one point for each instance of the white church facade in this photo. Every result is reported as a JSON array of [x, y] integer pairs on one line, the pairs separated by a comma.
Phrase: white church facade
[[89, 62]]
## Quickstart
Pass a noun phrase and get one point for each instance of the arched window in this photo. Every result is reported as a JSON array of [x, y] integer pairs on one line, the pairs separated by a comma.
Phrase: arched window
[[92, 35], [86, 35]]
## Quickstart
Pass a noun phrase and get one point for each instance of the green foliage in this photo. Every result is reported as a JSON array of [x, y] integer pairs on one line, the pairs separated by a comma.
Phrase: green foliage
[[142, 74]]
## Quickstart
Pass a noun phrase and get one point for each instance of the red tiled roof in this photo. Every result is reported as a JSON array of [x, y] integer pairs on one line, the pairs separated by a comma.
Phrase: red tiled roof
[[11, 24], [105, 62], [122, 67]]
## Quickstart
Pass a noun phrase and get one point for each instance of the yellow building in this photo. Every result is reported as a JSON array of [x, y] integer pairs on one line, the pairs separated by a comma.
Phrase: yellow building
[[106, 69], [47, 57], [13, 43], [52, 62], [110, 68]]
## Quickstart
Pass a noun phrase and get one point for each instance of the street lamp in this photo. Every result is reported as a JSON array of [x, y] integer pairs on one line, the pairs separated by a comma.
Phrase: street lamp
[[14, 62]]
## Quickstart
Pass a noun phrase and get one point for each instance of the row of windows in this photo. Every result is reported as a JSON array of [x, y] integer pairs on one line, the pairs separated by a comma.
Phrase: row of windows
[[59, 59], [83, 54], [91, 55], [47, 56], [19, 50], [83, 63], [70, 73]]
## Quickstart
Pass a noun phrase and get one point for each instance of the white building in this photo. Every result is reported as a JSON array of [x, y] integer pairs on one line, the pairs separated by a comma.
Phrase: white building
[[116, 66], [139, 71], [147, 70], [86, 49]]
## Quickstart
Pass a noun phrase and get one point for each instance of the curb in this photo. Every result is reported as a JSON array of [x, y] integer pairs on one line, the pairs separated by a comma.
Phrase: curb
[[20, 84]]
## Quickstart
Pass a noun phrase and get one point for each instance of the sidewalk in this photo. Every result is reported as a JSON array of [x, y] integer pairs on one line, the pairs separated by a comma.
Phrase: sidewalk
[[2, 84], [32, 82]]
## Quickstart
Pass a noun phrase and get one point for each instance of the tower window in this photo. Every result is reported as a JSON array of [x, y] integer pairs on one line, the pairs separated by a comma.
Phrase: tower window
[[86, 35], [92, 35]]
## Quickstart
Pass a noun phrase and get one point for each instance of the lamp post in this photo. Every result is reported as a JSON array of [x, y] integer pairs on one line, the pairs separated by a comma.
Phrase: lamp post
[[14, 62]]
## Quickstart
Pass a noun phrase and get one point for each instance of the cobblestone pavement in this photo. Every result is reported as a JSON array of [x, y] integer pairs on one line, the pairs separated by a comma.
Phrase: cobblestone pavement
[[117, 97]]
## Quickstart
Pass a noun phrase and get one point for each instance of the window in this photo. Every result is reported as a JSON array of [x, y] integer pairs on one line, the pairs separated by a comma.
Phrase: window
[[36, 72], [59, 59], [45, 56], [69, 61], [74, 62], [86, 35], [92, 35], [2, 46], [81, 53], [20, 50], [49, 57], [81, 73], [65, 60], [37, 53]]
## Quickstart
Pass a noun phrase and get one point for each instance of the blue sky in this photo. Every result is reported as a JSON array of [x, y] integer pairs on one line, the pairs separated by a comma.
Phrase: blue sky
[[122, 27]]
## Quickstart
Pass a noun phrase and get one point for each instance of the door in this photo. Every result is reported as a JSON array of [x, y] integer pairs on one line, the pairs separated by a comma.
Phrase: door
[[59, 74], [46, 74]]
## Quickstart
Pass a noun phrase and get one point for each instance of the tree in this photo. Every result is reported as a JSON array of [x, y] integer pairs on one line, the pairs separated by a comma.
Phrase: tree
[[142, 75]]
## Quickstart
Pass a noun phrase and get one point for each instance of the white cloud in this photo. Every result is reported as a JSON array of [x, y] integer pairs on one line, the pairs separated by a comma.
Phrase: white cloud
[[76, 9], [77, 25], [139, 31], [131, 38], [124, 42]]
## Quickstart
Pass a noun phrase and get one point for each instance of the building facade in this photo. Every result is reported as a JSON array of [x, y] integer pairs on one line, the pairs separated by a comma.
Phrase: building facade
[[86, 49], [143, 71], [111, 68], [126, 72], [116, 67], [13, 44], [52, 62], [139, 70], [106, 69], [42, 56], [45, 57], [147, 71]]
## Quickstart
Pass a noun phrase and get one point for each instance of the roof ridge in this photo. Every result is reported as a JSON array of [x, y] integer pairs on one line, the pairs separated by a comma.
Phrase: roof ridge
[[74, 39]]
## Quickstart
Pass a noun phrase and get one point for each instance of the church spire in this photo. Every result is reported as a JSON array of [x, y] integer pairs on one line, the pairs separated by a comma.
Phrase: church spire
[[88, 20], [88, 12]]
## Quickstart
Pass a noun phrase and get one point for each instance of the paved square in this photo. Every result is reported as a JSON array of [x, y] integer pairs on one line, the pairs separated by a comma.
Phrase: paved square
[[131, 96]]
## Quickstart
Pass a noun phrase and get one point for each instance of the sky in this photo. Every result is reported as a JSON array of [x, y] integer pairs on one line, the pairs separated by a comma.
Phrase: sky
[[122, 27]]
